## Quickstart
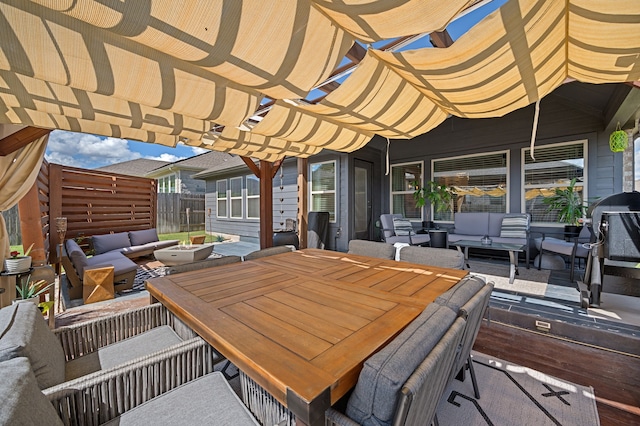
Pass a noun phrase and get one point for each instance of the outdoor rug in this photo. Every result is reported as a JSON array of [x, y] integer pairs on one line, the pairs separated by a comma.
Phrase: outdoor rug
[[515, 395], [143, 273]]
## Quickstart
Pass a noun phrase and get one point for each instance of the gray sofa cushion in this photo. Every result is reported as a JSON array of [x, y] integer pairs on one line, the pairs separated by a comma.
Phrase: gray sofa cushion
[[514, 226], [121, 264], [495, 224], [22, 402], [471, 223], [461, 293], [76, 256], [373, 401], [109, 242], [151, 341], [208, 400], [144, 236], [24, 333]]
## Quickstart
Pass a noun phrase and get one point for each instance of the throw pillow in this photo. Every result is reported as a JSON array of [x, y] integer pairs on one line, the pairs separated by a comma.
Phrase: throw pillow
[[515, 226], [402, 226]]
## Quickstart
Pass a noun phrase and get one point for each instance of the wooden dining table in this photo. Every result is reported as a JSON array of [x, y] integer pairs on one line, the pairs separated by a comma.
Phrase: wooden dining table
[[301, 324]]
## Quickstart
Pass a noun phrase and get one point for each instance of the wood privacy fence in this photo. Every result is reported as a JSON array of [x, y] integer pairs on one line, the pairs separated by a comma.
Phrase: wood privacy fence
[[97, 202], [172, 216]]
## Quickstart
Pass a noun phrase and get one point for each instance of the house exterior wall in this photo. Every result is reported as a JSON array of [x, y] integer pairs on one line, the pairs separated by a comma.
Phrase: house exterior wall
[[558, 122]]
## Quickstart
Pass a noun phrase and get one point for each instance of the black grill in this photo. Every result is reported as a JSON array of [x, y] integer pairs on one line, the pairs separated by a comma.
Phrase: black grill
[[616, 220]]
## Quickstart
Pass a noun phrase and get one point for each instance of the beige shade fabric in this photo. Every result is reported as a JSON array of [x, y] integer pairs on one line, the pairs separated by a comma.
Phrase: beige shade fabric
[[377, 100], [280, 48], [299, 123], [235, 141], [524, 50], [18, 172], [370, 21], [165, 72]]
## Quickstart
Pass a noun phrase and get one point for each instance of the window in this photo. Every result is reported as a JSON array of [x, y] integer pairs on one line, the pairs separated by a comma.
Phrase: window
[[554, 167], [480, 182], [402, 201], [323, 188], [253, 197], [235, 190], [167, 184], [221, 195]]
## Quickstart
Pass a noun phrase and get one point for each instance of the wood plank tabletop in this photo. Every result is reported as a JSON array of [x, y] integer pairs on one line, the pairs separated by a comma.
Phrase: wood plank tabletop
[[301, 324]]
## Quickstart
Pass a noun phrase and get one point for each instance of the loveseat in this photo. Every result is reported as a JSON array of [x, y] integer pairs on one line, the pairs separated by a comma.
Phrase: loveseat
[[500, 227], [131, 244]]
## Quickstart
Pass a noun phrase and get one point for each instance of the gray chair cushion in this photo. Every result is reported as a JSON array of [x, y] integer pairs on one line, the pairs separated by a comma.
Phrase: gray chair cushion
[[441, 257], [495, 224], [461, 293], [372, 249], [202, 264], [270, 251], [151, 341], [22, 402], [402, 226], [24, 333], [109, 242], [386, 220], [373, 401], [208, 400], [143, 236]]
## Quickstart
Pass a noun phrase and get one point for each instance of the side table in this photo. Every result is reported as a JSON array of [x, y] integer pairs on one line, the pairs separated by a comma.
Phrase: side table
[[8, 281]]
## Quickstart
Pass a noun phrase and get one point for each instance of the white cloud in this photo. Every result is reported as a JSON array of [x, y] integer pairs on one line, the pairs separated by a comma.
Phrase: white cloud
[[87, 151], [165, 156], [197, 150]]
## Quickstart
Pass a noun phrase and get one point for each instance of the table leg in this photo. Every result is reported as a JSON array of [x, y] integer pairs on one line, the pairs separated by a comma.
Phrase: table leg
[[513, 266]]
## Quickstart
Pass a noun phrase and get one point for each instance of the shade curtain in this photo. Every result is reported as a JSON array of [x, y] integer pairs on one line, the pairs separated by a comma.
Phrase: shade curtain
[[18, 173]]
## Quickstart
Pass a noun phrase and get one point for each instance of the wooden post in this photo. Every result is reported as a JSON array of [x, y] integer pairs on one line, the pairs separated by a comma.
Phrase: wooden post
[[55, 209], [31, 225], [266, 204], [303, 201]]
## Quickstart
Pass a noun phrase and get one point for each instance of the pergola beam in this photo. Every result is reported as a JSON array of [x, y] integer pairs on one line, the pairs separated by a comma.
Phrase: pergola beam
[[21, 138]]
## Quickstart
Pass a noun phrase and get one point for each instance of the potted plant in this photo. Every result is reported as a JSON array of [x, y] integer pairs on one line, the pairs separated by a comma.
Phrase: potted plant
[[31, 290], [439, 196], [17, 263], [569, 205]]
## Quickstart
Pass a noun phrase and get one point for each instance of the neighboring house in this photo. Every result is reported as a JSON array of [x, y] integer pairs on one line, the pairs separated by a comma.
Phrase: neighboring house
[[138, 167], [173, 177], [487, 160]]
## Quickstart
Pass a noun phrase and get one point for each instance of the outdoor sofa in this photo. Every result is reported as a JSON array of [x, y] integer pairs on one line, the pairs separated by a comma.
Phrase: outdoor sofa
[[95, 371], [500, 227], [131, 244]]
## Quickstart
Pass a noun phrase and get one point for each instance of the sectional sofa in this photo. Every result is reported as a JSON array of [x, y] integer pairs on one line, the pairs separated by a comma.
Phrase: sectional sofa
[[115, 250]]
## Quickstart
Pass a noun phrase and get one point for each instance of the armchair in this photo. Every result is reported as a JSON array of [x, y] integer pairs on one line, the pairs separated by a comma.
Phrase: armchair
[[397, 229], [573, 248], [94, 371]]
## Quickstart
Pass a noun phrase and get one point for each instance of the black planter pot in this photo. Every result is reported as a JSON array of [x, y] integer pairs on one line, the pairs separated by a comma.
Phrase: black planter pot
[[571, 231], [286, 238], [438, 238]]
